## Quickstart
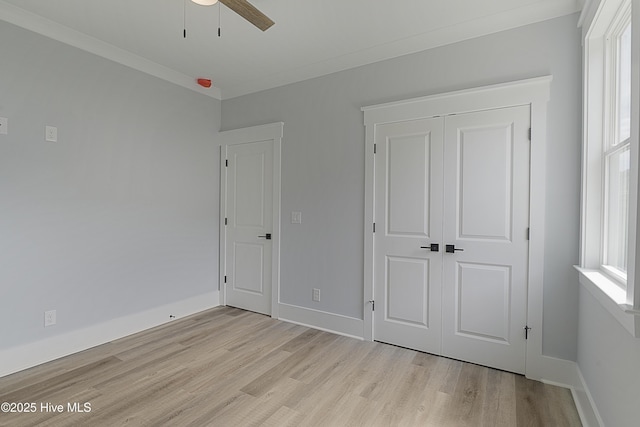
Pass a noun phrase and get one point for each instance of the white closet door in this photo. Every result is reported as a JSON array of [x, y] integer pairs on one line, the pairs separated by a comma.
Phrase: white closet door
[[486, 220], [408, 174], [461, 182]]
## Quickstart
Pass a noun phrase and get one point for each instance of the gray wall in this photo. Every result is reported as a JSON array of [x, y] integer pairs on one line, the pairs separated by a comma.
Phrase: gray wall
[[323, 160], [120, 215], [608, 358]]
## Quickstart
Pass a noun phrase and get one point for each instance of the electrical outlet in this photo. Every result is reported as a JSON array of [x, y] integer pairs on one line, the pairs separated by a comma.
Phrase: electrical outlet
[[49, 318], [316, 294], [4, 126], [51, 133]]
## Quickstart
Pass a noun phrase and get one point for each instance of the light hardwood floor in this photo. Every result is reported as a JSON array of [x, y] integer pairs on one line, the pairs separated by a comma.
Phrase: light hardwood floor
[[229, 367]]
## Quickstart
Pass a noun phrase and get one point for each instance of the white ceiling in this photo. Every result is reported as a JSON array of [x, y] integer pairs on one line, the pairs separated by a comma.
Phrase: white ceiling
[[310, 38]]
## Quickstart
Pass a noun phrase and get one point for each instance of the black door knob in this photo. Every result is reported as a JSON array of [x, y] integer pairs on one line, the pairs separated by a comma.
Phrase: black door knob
[[433, 247]]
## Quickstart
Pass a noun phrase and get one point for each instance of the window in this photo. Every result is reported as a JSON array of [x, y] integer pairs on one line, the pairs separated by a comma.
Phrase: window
[[610, 157], [616, 148]]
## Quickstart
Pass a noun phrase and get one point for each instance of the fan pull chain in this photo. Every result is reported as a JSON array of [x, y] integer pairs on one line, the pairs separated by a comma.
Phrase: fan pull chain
[[184, 19], [219, 14]]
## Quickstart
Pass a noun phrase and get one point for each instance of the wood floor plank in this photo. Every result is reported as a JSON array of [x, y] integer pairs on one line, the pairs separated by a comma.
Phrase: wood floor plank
[[500, 406], [562, 408], [66, 380], [229, 367], [261, 385], [469, 395]]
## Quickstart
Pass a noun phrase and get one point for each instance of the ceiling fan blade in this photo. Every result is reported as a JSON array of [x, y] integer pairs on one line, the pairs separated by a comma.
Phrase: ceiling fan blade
[[249, 12]]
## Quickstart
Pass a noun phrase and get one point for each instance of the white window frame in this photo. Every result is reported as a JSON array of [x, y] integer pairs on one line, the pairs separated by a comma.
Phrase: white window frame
[[621, 299], [610, 141]]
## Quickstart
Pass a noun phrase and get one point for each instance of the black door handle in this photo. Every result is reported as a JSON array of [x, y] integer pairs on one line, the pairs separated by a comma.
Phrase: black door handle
[[433, 247], [452, 248], [266, 236]]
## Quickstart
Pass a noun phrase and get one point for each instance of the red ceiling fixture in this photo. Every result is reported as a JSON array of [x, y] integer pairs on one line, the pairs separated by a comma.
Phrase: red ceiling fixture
[[204, 82]]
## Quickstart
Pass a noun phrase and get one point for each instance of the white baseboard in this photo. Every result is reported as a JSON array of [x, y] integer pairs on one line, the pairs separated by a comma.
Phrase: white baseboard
[[560, 372], [26, 356], [566, 373], [329, 322], [584, 403]]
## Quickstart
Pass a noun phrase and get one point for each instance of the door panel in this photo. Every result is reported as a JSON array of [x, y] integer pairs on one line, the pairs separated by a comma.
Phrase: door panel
[[250, 215], [485, 162], [491, 285], [248, 268], [409, 212], [249, 180], [486, 205], [408, 159], [407, 291]]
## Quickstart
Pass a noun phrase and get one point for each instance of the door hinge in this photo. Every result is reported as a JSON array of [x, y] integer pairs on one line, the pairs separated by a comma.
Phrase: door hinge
[[225, 279], [529, 134], [374, 227], [226, 163], [528, 233], [373, 305], [526, 332], [375, 148], [225, 221]]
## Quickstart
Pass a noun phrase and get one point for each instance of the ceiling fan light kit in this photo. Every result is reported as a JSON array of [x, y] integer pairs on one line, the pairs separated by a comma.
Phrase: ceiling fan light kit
[[205, 2]]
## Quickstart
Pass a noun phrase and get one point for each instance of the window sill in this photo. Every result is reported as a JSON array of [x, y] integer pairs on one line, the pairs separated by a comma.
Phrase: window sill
[[612, 298]]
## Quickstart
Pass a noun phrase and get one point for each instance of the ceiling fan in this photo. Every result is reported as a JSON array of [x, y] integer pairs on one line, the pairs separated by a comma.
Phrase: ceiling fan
[[244, 9]]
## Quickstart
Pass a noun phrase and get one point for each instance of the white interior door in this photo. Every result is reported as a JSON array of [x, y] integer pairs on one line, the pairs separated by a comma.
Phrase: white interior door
[[461, 181], [408, 173], [486, 205], [249, 228]]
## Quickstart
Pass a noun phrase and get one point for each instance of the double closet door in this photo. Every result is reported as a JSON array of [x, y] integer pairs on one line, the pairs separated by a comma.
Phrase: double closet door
[[451, 240]]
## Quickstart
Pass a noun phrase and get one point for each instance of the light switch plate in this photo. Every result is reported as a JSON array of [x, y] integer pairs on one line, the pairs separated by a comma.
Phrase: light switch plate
[[296, 217], [51, 133], [4, 126]]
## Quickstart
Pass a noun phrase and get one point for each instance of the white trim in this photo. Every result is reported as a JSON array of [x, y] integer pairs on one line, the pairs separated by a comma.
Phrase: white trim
[[534, 92], [612, 298], [624, 305], [275, 132], [633, 278], [585, 404], [322, 320], [559, 372], [510, 94], [369, 210], [28, 355], [587, 15], [566, 373], [53, 30]]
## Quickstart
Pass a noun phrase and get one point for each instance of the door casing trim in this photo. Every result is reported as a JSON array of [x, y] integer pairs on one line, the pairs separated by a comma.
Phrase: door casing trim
[[272, 131], [533, 92]]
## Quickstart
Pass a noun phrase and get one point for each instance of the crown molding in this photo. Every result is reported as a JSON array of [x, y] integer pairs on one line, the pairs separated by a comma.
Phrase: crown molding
[[429, 39]]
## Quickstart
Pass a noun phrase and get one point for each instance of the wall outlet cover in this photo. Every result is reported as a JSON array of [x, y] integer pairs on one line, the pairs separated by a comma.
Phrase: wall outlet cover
[[49, 318], [51, 133]]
